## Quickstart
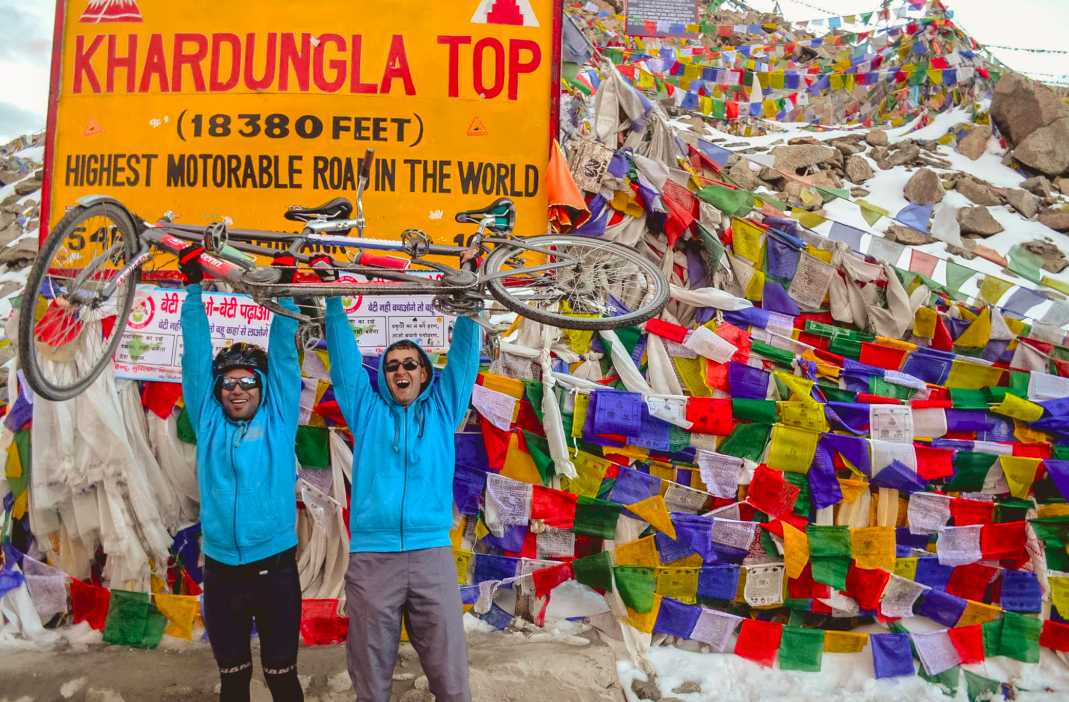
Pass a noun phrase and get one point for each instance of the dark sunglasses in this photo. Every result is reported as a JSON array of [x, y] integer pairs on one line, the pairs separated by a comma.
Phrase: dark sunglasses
[[249, 382], [408, 364]]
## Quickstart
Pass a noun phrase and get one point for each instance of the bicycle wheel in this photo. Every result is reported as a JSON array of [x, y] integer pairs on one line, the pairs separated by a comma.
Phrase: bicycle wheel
[[603, 286], [75, 304]]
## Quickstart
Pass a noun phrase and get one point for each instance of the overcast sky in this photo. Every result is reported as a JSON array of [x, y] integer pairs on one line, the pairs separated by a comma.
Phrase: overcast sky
[[26, 39]]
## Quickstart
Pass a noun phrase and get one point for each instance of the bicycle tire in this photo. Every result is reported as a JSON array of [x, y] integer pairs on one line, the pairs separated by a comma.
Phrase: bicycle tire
[[652, 302], [31, 361]]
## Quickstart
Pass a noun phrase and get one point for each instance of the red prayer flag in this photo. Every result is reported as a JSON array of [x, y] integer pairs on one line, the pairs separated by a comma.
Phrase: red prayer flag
[[710, 415], [320, 623], [770, 493], [1032, 450], [1005, 540], [759, 641], [160, 398], [89, 603], [968, 641], [666, 330], [554, 507], [866, 585], [545, 579], [942, 340], [881, 356], [971, 580], [716, 375], [934, 463], [496, 442], [966, 512], [1054, 636]]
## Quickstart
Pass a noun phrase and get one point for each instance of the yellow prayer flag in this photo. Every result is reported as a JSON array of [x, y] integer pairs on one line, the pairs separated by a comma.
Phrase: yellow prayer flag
[[755, 289], [1024, 433], [872, 213], [977, 334], [906, 568], [590, 471], [1057, 509], [578, 340], [481, 530], [747, 241], [582, 401], [972, 376], [654, 511], [690, 374], [624, 201], [462, 559], [1018, 408], [824, 368], [664, 471], [811, 220], [935, 76], [978, 613], [1020, 472], [1059, 593], [873, 547], [644, 621], [1015, 325], [800, 388], [795, 550], [845, 641], [22, 502], [13, 466], [924, 322], [706, 104], [852, 489], [629, 451], [519, 465], [992, 289], [678, 583], [776, 80], [181, 611], [803, 415], [792, 449], [642, 552], [509, 386]]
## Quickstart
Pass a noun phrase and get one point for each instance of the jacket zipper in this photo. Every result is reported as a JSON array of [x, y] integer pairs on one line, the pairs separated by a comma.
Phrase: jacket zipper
[[234, 467], [404, 484]]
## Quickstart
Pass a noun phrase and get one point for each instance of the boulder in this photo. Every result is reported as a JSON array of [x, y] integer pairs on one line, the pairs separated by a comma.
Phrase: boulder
[[858, 169], [1021, 106], [743, 175], [23, 251], [1062, 184], [977, 191], [904, 154], [907, 236], [1038, 185], [974, 144], [1023, 201], [876, 137], [924, 188], [796, 159], [25, 187], [1058, 220], [1047, 148], [1053, 259], [977, 220]]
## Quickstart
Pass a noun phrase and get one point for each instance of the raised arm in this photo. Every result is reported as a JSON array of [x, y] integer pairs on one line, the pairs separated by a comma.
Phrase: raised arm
[[283, 370], [197, 380], [461, 369], [351, 384]]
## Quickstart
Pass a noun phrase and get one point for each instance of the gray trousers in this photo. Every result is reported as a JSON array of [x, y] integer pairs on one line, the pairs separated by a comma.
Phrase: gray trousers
[[421, 586]]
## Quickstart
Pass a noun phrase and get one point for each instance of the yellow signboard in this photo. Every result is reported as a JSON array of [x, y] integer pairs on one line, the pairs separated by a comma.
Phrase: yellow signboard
[[218, 109]]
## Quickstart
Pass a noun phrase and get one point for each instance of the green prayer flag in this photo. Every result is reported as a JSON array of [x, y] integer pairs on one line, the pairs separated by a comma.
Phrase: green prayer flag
[[804, 502], [801, 649], [957, 274], [980, 688], [992, 632], [594, 571], [1052, 531], [154, 628], [851, 348], [1019, 383], [1012, 509], [596, 517], [970, 470], [737, 203], [18, 485], [1061, 452], [636, 586], [1020, 637], [713, 247], [678, 439], [775, 354], [763, 411], [184, 428], [835, 394], [948, 679], [828, 541], [538, 448], [128, 620], [629, 337], [532, 390], [968, 399], [879, 386], [313, 447], [746, 441], [831, 570]]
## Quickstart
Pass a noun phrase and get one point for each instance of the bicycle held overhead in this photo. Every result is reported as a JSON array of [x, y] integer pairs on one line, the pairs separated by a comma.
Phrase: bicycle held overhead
[[77, 301]]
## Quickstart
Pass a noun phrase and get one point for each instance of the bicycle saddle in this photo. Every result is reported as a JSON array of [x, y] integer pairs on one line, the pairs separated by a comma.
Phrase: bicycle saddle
[[502, 212], [338, 208]]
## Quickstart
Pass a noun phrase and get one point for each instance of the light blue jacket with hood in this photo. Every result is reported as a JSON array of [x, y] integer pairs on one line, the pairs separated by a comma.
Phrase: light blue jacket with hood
[[403, 457], [246, 470]]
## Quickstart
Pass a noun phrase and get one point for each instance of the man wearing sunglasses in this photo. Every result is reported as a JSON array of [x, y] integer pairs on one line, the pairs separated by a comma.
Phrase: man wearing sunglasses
[[401, 564], [244, 406]]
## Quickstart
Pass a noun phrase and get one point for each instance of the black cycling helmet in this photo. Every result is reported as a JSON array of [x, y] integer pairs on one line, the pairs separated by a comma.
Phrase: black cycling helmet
[[240, 355]]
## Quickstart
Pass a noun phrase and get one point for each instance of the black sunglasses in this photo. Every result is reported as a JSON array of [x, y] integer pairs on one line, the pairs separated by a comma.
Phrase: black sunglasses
[[249, 382], [408, 364]]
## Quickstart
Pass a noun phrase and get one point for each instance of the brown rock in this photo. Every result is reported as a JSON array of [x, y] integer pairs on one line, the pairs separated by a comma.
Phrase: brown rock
[[803, 140], [1021, 106], [977, 191], [1023, 201], [1037, 185], [974, 144], [1047, 148], [858, 169], [876, 137], [743, 175], [796, 159], [1062, 184], [848, 149], [904, 154], [688, 687], [977, 220], [1058, 220], [28, 186], [24, 251], [924, 188], [907, 236], [645, 690], [1053, 259]]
